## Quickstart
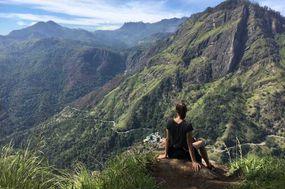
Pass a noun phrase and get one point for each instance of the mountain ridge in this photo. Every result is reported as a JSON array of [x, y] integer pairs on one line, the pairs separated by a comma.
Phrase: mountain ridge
[[105, 38]]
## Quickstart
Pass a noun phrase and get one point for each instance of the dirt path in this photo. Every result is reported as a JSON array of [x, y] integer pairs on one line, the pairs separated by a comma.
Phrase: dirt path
[[177, 174]]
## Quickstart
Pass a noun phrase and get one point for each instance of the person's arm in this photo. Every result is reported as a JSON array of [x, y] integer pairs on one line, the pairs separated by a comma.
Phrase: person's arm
[[166, 142], [195, 164], [165, 154]]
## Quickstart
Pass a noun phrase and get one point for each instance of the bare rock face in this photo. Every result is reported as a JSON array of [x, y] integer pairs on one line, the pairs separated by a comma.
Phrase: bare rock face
[[174, 174]]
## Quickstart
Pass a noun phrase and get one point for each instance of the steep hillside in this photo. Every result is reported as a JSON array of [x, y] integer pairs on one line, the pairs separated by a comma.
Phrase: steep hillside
[[40, 77]]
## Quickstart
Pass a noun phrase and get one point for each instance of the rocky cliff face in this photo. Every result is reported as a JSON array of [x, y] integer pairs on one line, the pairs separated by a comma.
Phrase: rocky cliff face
[[227, 36]]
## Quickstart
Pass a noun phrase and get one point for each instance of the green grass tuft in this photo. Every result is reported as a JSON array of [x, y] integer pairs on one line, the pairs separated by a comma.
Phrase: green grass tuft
[[127, 171], [261, 172], [25, 170]]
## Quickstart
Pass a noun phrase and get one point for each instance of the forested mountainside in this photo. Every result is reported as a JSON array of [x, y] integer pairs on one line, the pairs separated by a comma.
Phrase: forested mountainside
[[45, 67], [39, 77], [227, 63]]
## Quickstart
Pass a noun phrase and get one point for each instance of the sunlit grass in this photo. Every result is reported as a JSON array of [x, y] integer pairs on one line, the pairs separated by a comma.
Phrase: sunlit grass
[[127, 171], [27, 170], [261, 172]]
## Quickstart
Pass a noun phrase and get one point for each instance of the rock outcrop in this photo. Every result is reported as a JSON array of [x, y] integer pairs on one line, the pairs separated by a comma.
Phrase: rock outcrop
[[178, 174]]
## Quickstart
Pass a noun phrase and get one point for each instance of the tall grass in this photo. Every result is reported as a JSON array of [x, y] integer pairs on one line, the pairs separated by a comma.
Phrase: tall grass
[[128, 170], [84, 179], [25, 170], [261, 172]]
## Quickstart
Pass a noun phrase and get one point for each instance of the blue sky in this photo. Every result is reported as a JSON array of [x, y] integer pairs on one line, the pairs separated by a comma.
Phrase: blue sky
[[102, 14]]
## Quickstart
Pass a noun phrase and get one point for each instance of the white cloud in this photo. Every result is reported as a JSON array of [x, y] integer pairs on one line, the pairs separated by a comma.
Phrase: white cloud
[[36, 18], [108, 27], [21, 23], [98, 11]]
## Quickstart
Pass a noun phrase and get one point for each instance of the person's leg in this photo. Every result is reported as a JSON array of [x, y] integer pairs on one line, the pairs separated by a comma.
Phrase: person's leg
[[175, 153], [204, 155], [187, 156], [170, 153], [200, 145]]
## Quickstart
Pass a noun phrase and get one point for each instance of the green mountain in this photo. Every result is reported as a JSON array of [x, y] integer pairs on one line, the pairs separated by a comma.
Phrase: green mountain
[[135, 33], [129, 35], [49, 29], [45, 67], [40, 77], [227, 63]]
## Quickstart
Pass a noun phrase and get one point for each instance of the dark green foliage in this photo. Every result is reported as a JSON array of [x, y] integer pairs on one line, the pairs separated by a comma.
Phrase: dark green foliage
[[47, 75]]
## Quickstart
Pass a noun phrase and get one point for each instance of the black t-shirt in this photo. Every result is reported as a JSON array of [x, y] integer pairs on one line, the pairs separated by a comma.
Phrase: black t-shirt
[[178, 133]]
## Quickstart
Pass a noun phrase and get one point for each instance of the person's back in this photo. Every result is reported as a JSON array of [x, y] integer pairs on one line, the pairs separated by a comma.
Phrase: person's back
[[178, 132], [180, 144], [177, 136]]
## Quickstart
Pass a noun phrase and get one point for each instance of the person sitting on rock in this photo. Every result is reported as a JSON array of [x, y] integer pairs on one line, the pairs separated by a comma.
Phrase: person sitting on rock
[[180, 143]]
